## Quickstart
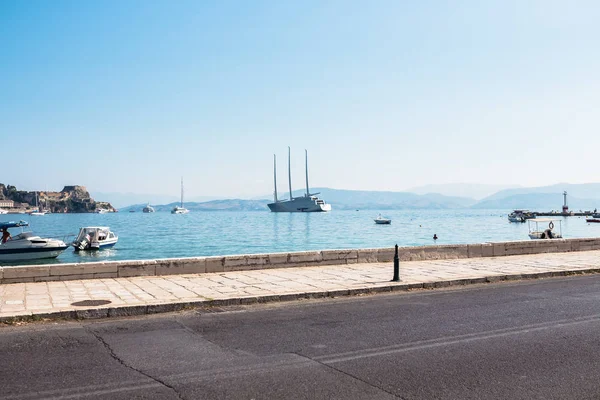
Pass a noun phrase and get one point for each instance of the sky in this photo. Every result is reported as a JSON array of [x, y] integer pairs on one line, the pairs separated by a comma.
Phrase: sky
[[129, 96]]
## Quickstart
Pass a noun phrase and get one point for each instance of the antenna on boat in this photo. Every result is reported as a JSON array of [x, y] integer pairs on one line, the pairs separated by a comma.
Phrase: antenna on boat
[[275, 176], [306, 167], [290, 173]]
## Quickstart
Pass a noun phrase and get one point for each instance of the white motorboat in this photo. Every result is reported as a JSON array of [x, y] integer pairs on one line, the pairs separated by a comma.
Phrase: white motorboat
[[148, 209], [307, 203], [537, 229], [3, 211], [520, 216], [180, 209], [382, 221], [94, 238], [27, 246], [101, 211]]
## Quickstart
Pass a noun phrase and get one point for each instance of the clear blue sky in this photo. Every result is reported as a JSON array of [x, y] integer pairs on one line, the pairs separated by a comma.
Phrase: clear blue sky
[[127, 96]]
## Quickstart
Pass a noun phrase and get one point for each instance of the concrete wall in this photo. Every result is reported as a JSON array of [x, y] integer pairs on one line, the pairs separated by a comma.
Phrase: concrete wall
[[199, 265]]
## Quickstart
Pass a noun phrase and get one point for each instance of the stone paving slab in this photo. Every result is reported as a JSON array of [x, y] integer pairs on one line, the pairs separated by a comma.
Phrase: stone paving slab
[[152, 294]]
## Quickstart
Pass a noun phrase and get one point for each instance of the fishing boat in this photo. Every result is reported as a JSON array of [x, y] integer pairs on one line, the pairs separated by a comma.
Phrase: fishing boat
[[307, 203], [538, 231], [27, 246], [148, 209], [382, 221], [94, 238], [180, 209]]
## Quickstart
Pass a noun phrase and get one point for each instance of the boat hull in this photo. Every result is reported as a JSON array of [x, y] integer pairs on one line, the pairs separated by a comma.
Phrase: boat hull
[[96, 246], [592, 220], [299, 204], [383, 222], [31, 253]]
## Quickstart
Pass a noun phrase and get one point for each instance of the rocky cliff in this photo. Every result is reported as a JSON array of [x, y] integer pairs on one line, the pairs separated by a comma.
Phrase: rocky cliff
[[72, 199]]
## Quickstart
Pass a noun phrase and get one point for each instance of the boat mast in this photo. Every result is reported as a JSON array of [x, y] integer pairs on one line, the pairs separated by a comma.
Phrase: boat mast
[[275, 176], [306, 166], [290, 173], [182, 192]]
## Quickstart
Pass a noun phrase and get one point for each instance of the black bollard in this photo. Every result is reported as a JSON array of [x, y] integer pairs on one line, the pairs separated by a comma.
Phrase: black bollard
[[396, 267]]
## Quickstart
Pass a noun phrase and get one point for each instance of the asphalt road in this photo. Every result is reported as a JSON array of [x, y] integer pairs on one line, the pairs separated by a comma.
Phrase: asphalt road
[[524, 340]]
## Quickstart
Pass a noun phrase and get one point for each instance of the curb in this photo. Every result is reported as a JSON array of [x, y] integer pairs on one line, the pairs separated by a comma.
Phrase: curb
[[127, 311]]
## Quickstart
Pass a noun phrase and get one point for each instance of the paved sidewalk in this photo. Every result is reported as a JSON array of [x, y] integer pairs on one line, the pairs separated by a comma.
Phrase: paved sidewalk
[[97, 298]]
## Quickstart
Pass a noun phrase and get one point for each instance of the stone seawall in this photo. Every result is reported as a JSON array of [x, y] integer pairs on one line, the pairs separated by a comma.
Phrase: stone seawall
[[199, 265]]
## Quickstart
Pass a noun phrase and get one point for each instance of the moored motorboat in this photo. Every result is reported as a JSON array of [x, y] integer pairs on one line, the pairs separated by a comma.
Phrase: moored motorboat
[[148, 209], [382, 221], [520, 216], [94, 238], [27, 246]]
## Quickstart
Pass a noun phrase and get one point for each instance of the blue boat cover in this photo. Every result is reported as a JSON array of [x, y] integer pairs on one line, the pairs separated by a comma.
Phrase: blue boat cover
[[13, 224]]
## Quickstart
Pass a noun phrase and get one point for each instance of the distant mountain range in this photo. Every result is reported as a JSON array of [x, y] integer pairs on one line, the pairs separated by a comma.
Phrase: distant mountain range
[[213, 205], [476, 191], [584, 196], [120, 200], [545, 198]]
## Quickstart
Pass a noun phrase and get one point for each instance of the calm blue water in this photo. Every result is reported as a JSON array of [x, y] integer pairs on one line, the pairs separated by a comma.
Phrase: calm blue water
[[163, 235]]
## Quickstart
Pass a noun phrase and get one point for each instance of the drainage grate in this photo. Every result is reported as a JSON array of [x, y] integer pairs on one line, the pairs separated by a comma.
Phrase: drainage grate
[[88, 303]]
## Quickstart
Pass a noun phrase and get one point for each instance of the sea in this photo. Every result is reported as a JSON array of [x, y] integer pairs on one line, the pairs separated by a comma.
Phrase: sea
[[214, 233]]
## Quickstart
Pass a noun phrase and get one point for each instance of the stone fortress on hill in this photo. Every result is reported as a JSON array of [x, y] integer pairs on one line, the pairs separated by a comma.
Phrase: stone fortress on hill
[[72, 199]]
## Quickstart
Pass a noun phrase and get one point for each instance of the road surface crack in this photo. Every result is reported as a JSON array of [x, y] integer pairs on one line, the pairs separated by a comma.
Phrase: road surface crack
[[123, 363], [350, 375]]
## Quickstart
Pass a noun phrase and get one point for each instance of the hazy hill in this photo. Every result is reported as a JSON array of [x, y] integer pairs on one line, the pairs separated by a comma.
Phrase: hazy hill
[[214, 205], [125, 199], [539, 202], [580, 190], [469, 190], [360, 199], [339, 199]]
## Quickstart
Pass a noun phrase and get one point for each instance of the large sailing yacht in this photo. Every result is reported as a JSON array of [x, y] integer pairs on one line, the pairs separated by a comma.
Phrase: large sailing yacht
[[180, 209], [307, 203]]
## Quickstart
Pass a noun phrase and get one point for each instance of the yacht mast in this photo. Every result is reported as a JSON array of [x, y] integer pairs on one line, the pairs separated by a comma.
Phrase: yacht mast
[[290, 173], [306, 165], [182, 192], [275, 176]]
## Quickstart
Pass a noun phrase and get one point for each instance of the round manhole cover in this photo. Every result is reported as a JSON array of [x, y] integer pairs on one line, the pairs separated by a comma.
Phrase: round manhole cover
[[88, 303]]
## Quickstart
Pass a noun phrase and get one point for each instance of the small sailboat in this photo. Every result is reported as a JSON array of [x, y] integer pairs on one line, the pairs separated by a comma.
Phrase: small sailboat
[[38, 211], [382, 221], [180, 209]]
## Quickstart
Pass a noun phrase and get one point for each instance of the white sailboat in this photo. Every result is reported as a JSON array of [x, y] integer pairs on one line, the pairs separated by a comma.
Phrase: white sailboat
[[38, 211], [307, 203], [180, 209]]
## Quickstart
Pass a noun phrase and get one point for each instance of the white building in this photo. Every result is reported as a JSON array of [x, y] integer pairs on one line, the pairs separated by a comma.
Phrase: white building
[[7, 203]]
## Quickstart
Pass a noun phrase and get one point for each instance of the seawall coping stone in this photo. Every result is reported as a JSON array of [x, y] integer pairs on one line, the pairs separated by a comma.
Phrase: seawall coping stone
[[196, 265]]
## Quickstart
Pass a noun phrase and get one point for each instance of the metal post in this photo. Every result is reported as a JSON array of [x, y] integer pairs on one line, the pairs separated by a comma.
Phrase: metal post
[[396, 267]]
